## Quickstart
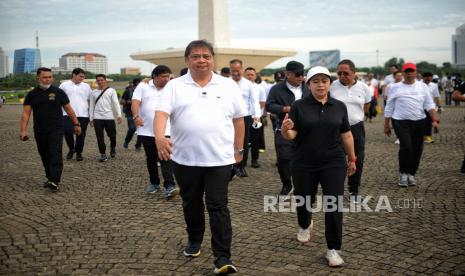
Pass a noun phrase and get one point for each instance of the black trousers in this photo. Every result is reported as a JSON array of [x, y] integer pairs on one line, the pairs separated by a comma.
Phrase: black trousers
[[284, 155], [428, 124], [255, 141], [50, 146], [131, 130], [410, 134], [358, 132], [247, 126], [194, 182], [110, 128], [78, 145], [151, 156], [332, 183], [261, 135]]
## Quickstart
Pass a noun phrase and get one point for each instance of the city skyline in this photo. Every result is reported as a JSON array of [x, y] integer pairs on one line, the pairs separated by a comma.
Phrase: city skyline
[[415, 31]]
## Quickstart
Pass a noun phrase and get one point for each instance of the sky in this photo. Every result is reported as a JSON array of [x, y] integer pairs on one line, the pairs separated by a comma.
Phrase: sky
[[416, 30]]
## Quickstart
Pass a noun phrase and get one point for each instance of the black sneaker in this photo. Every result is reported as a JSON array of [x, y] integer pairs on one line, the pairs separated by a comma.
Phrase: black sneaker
[[224, 265], [192, 250], [79, 157], [52, 185], [70, 155], [103, 158], [255, 164], [113, 153]]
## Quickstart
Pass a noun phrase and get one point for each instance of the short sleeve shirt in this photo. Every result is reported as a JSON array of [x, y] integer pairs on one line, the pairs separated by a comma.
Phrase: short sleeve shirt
[[46, 107], [79, 97], [318, 144], [202, 129], [354, 98]]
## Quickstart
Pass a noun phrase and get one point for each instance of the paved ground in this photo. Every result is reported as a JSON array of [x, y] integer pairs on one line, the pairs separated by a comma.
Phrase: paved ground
[[102, 222]]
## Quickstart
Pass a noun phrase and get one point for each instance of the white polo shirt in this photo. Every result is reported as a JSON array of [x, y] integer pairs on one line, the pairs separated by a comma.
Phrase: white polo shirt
[[202, 119], [354, 98], [79, 97], [149, 97], [261, 96], [106, 107], [296, 90], [250, 95], [408, 101], [433, 90]]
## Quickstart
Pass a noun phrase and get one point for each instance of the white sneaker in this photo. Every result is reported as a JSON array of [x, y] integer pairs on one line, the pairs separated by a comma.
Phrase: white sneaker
[[403, 180], [411, 180], [333, 258], [397, 142], [304, 234]]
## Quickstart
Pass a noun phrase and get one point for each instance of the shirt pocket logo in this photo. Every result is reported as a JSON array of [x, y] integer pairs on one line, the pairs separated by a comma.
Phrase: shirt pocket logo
[[51, 96]]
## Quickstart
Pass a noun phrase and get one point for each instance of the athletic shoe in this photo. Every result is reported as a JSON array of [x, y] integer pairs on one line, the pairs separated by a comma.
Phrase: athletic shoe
[[113, 153], [79, 157], [403, 180], [125, 145], [224, 265], [70, 154], [52, 185], [428, 139], [255, 164], [397, 142], [261, 150], [192, 250], [171, 191], [304, 234], [411, 180], [334, 259], [103, 158], [151, 189]]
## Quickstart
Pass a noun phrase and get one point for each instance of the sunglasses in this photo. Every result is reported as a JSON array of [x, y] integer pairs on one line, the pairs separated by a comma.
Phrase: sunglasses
[[341, 73]]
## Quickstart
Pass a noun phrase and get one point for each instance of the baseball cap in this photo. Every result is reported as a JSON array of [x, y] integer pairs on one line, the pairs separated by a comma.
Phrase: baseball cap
[[295, 67], [409, 65], [317, 70]]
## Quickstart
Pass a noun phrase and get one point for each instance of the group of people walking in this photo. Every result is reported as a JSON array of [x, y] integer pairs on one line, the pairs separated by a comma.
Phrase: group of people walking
[[200, 126]]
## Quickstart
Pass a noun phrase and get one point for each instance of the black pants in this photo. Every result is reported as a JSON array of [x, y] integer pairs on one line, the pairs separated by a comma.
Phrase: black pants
[[247, 126], [358, 132], [255, 141], [410, 134], [131, 130], [78, 145], [372, 112], [110, 128], [428, 124], [332, 183], [151, 155], [50, 146], [284, 155], [261, 135], [194, 182]]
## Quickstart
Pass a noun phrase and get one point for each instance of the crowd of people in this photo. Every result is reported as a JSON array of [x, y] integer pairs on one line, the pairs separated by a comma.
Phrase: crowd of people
[[199, 127]]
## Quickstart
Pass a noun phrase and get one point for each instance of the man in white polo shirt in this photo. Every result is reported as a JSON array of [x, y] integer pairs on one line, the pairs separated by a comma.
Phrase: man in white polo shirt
[[144, 101], [250, 95], [357, 97], [103, 105], [434, 92], [206, 112], [406, 103], [79, 94]]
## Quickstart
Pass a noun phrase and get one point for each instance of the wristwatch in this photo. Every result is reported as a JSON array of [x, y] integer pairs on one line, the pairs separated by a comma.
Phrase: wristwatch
[[241, 151], [78, 124]]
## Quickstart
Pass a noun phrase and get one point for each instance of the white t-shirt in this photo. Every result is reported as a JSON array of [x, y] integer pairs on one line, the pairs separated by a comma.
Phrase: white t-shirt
[[354, 98], [202, 119], [149, 97], [433, 90], [106, 106], [408, 101], [250, 94], [79, 97], [262, 96], [296, 90], [389, 79]]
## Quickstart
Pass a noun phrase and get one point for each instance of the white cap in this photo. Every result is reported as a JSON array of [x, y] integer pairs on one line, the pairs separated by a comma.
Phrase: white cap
[[317, 70]]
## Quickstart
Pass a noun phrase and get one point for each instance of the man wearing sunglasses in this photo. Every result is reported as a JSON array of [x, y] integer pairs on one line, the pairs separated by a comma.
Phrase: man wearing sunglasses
[[357, 97], [279, 101]]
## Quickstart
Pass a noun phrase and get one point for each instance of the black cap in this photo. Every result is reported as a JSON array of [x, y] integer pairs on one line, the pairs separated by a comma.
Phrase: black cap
[[295, 67]]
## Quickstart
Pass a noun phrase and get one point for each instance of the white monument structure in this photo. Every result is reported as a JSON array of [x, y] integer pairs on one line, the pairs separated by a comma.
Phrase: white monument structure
[[214, 27]]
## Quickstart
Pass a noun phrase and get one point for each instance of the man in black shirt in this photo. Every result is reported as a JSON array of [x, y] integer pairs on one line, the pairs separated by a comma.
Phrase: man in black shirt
[[46, 101], [459, 95], [126, 100], [279, 101]]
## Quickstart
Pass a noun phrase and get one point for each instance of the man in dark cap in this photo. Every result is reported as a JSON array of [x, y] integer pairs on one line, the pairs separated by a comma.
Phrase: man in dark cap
[[279, 101], [126, 100]]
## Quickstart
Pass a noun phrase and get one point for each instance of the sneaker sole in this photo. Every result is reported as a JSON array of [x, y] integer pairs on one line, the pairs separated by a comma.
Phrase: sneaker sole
[[172, 194], [403, 185], [191, 255], [52, 186], [336, 265], [226, 269]]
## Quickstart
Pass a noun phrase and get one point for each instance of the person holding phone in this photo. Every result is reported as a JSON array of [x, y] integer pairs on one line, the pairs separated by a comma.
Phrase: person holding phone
[[46, 102]]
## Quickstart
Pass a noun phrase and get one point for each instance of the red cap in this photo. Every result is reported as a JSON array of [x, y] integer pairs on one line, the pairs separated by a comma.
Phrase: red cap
[[409, 66]]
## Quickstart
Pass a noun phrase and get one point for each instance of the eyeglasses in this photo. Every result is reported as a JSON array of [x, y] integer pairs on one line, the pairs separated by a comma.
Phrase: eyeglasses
[[196, 57], [342, 73], [409, 70], [298, 74]]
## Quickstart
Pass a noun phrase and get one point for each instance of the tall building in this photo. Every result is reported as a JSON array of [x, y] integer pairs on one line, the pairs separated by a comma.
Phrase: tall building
[[92, 62], [26, 60], [3, 64], [133, 71], [328, 59], [458, 47]]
